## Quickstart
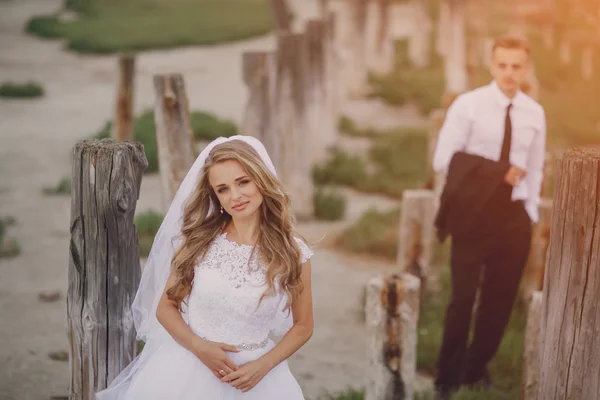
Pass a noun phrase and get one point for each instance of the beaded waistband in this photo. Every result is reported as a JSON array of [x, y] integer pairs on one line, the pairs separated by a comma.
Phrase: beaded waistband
[[249, 346]]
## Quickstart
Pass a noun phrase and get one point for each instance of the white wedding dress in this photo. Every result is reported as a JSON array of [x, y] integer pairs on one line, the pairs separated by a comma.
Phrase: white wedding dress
[[222, 307]]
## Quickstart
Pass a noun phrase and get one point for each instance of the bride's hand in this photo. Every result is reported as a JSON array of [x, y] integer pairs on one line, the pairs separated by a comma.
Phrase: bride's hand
[[248, 375], [212, 354]]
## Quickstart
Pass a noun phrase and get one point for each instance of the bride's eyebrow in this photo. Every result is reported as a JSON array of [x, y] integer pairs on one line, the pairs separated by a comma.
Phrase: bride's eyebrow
[[237, 180]]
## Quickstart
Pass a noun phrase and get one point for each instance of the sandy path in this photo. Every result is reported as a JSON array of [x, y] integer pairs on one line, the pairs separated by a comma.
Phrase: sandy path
[[36, 138]]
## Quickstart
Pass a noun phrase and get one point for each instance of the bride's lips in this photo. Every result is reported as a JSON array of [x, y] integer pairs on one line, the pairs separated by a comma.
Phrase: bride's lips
[[240, 206]]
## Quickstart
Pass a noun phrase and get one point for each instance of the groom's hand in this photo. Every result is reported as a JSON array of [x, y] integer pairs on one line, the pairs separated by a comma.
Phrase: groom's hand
[[248, 375]]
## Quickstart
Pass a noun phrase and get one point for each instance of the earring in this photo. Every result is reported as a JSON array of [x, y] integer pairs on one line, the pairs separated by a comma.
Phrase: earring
[[221, 209]]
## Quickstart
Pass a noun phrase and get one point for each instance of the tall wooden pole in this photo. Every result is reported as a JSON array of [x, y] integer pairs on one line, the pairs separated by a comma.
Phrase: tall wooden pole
[[104, 264], [174, 135], [570, 344], [123, 125]]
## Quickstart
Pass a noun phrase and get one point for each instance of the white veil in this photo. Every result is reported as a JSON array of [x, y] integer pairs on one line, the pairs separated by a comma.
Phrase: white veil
[[157, 269]]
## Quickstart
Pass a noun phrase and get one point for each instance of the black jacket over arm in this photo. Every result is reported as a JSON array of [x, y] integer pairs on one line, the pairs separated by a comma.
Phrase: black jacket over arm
[[470, 183]]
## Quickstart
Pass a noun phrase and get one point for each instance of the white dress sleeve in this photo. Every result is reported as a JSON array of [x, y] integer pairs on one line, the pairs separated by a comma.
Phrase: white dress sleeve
[[307, 253]]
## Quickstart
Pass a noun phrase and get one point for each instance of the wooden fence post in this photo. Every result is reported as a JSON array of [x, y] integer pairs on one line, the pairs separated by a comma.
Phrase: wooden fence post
[[333, 65], [531, 358], [380, 57], [533, 279], [104, 263], [174, 135], [281, 15], [356, 82], [548, 182], [392, 313], [292, 122], [321, 125], [570, 352], [416, 236], [259, 73], [419, 44], [123, 124], [587, 62]]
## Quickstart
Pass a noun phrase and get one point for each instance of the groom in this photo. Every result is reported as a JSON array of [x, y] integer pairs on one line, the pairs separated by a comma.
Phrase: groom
[[491, 147]]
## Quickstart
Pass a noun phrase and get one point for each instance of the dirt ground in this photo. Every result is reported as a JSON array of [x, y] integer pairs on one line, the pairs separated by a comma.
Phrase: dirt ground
[[36, 140]]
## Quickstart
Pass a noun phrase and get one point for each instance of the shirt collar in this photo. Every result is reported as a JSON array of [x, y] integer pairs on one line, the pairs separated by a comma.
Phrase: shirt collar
[[501, 98]]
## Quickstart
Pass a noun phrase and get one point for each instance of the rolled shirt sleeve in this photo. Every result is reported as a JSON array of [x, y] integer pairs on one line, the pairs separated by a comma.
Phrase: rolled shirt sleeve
[[453, 135]]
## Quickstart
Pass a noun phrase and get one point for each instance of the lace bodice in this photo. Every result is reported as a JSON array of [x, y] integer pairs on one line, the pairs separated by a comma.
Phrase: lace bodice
[[225, 294]]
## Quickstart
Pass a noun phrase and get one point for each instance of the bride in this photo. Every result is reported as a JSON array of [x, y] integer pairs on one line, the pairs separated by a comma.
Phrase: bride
[[225, 271]]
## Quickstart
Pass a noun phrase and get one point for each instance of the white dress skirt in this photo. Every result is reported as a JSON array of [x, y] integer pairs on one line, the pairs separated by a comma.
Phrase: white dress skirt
[[222, 307]]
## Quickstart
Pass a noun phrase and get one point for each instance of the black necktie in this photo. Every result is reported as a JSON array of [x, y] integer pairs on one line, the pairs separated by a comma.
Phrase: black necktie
[[504, 155]]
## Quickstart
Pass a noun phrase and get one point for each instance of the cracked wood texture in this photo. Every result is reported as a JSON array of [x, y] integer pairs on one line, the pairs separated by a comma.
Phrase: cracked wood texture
[[392, 313], [104, 264], [570, 339], [174, 134]]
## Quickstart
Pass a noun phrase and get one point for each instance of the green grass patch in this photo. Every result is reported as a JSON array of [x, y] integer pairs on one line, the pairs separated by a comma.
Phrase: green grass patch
[[397, 160], [21, 90], [375, 233], [342, 169], [407, 83], [118, 26], [329, 205], [206, 126], [348, 394], [147, 224], [62, 187], [9, 247]]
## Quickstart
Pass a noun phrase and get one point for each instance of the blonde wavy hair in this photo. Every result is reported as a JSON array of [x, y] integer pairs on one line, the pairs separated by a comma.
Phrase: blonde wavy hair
[[277, 248]]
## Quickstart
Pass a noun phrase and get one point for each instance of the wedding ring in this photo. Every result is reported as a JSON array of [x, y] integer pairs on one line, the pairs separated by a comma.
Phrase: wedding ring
[[222, 372]]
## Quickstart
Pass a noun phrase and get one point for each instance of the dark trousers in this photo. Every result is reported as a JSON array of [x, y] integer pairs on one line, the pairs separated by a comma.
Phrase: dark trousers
[[490, 257]]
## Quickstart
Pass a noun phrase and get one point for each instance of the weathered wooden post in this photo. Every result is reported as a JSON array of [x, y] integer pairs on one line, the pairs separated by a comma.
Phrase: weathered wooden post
[[381, 47], [281, 15], [548, 182], [531, 357], [123, 125], [174, 135], [456, 57], [536, 263], [392, 313], [333, 64], [104, 263], [587, 62], [259, 73], [356, 82], [416, 236], [419, 49], [570, 350], [320, 133], [292, 122]]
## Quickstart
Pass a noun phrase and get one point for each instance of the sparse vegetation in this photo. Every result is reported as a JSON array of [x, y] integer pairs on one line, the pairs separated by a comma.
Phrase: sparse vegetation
[[329, 205], [348, 394], [118, 26], [375, 233], [147, 224], [9, 247], [398, 161], [21, 90], [407, 83], [62, 187]]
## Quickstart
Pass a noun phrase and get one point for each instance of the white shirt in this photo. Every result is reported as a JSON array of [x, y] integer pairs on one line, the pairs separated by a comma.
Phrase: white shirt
[[475, 124]]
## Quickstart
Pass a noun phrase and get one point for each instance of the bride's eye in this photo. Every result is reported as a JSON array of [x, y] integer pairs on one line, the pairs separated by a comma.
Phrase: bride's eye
[[222, 190], [245, 181]]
